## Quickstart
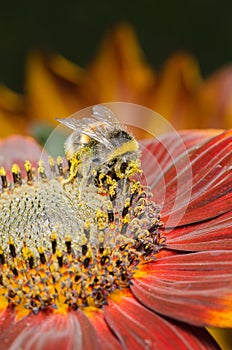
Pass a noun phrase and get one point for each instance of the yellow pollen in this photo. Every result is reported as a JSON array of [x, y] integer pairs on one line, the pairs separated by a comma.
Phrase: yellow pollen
[[2, 171], [15, 169], [27, 165]]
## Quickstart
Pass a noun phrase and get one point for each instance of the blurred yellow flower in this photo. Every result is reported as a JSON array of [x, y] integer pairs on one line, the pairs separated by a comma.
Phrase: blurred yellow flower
[[56, 87]]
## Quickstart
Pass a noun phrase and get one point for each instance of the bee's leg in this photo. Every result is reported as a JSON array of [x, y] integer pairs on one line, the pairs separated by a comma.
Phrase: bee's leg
[[74, 165], [124, 186], [86, 174]]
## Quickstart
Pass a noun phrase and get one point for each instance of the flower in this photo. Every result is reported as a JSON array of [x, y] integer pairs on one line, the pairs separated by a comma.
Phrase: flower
[[89, 260], [54, 86]]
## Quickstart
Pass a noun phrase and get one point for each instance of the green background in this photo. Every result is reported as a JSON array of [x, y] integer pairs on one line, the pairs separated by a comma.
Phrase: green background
[[75, 29]]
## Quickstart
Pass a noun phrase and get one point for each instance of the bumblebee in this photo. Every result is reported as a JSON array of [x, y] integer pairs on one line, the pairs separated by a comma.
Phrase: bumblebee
[[98, 143]]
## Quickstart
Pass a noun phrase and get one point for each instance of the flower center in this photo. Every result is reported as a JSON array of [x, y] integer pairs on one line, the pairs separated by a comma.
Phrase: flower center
[[67, 241]]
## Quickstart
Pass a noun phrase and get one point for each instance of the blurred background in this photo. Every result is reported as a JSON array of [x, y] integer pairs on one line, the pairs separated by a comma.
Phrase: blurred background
[[172, 56], [75, 29]]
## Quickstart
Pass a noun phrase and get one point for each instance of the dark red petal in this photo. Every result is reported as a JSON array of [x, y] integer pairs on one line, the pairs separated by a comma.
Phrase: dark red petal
[[195, 288], [6, 318], [160, 153], [106, 338], [138, 328], [71, 331], [210, 235], [199, 188]]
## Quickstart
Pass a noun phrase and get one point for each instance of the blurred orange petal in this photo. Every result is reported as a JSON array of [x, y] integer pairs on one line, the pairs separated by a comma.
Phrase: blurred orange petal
[[52, 85], [175, 97], [56, 87], [120, 73], [215, 99], [12, 112]]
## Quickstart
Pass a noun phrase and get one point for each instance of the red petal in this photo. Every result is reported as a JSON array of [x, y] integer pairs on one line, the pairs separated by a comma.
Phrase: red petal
[[17, 149], [138, 328], [160, 153], [195, 288], [51, 332], [106, 338], [6, 318], [213, 235], [199, 188]]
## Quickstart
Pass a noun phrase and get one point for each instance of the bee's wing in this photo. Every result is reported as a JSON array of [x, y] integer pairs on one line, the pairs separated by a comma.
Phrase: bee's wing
[[100, 113], [98, 134], [76, 124], [90, 127], [105, 115]]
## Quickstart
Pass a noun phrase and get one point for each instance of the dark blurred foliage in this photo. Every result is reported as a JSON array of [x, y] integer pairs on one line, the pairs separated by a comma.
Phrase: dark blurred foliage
[[75, 28]]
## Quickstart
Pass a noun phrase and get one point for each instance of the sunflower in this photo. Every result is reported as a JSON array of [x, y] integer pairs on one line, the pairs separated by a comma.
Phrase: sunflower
[[94, 258], [54, 86]]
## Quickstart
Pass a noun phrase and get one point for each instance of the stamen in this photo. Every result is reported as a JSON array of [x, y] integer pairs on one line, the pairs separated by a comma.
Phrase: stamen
[[2, 257], [3, 178], [110, 216], [16, 175], [60, 258], [54, 242], [68, 243], [52, 165], [42, 255], [12, 248], [28, 169], [41, 171]]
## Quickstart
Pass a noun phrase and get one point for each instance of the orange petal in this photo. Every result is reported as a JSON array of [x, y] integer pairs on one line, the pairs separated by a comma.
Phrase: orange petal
[[175, 96], [52, 84], [12, 113], [215, 99], [223, 337], [120, 73]]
